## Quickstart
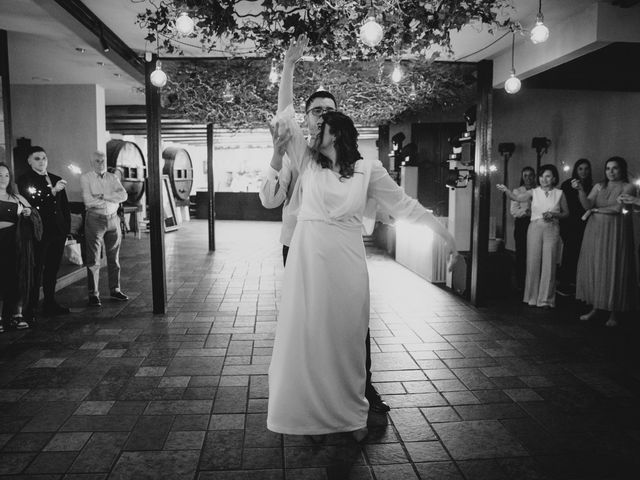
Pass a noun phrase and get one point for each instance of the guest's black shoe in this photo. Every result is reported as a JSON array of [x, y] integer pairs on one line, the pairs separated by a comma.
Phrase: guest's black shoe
[[376, 404], [118, 295], [52, 309], [94, 301], [18, 323], [565, 291]]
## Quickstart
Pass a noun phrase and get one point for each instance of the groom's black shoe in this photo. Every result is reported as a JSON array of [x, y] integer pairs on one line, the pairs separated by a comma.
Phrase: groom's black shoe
[[376, 404]]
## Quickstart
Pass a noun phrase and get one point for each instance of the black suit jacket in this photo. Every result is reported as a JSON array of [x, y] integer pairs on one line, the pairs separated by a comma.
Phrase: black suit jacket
[[53, 209]]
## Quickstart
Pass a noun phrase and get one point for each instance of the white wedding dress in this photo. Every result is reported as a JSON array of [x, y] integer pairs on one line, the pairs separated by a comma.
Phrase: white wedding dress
[[317, 372]]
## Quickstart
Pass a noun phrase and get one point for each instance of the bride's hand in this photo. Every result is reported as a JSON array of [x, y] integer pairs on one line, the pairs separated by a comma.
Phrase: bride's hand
[[296, 49], [455, 259]]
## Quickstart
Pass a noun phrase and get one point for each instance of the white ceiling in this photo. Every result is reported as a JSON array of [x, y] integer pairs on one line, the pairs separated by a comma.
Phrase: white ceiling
[[42, 43]]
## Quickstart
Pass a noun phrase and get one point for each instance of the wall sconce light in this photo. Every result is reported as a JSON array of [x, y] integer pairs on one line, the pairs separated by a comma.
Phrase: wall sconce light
[[539, 33], [457, 178], [513, 84]]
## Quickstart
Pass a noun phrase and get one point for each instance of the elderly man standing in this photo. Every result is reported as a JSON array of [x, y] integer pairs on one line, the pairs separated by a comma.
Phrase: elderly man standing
[[102, 193], [46, 193]]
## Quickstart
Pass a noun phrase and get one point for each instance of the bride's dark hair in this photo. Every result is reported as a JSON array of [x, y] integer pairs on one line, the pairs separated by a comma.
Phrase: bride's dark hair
[[346, 143]]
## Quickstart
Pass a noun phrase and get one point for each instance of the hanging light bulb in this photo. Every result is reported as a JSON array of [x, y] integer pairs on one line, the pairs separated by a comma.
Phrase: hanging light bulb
[[158, 77], [566, 168], [273, 74], [413, 94], [371, 31], [513, 84], [539, 33], [227, 95], [396, 75], [185, 24]]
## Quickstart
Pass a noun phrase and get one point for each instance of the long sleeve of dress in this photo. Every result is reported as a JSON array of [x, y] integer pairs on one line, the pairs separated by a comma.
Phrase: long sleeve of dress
[[395, 202], [390, 197]]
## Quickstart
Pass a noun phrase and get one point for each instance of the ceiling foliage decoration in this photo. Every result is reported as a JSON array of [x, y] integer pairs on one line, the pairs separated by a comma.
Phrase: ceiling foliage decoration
[[237, 93], [420, 28], [252, 35]]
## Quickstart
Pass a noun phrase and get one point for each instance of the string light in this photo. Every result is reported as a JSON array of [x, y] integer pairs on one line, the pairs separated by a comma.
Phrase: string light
[[185, 24], [227, 95], [158, 77], [396, 75], [413, 94], [513, 84], [371, 31], [273, 74], [539, 33]]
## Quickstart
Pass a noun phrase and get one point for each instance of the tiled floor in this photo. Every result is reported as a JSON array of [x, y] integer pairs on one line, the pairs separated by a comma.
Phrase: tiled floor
[[504, 392]]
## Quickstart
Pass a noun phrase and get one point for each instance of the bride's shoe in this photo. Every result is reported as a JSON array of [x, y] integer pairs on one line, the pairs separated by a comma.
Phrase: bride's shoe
[[360, 434]]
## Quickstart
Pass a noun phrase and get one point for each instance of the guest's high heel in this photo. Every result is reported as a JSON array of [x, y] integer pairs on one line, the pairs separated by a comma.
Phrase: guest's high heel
[[17, 322], [360, 434]]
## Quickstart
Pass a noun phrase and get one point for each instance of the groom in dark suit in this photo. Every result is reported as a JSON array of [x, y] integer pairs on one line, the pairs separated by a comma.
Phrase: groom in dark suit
[[46, 192]]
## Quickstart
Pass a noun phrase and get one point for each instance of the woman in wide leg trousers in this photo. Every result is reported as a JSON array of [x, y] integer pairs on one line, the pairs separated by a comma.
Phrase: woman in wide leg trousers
[[542, 258]]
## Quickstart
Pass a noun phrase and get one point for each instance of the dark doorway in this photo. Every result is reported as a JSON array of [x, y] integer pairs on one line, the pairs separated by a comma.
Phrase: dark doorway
[[432, 141]]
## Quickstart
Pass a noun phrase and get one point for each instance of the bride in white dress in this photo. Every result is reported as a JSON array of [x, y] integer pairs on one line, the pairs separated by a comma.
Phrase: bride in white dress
[[317, 371]]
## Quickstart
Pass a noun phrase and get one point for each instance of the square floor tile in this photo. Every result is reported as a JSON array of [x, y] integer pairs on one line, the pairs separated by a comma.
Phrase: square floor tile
[[478, 439]]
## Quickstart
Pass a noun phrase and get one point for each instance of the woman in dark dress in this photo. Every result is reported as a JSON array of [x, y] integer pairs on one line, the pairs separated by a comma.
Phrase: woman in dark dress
[[12, 206], [572, 227]]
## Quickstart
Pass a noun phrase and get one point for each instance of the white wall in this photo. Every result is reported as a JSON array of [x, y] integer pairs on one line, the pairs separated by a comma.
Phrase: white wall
[[68, 121], [580, 124]]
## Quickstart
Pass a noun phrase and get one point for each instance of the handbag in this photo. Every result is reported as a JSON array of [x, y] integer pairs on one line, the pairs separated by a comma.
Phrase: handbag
[[72, 252]]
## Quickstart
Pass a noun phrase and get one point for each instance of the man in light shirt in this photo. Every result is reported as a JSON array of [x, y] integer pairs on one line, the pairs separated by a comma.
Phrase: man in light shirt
[[102, 193], [280, 185]]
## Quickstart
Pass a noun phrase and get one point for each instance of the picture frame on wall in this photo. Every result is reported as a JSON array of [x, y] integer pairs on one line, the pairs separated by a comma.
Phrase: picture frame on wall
[[168, 206]]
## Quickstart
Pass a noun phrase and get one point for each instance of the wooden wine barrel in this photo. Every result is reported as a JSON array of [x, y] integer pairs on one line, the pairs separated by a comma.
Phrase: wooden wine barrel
[[126, 160], [178, 166]]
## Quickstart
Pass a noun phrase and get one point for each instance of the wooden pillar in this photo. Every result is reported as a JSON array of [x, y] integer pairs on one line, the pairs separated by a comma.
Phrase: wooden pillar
[[383, 145], [5, 98], [482, 185], [154, 192], [211, 217]]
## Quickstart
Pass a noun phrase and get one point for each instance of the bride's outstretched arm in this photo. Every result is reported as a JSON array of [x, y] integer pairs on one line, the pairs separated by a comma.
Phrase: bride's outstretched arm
[[294, 53]]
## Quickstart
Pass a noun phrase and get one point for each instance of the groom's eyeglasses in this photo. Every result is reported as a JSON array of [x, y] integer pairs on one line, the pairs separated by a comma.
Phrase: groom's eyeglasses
[[317, 111]]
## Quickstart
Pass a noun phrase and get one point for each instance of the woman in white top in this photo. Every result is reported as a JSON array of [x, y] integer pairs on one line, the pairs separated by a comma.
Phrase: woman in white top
[[548, 206]]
